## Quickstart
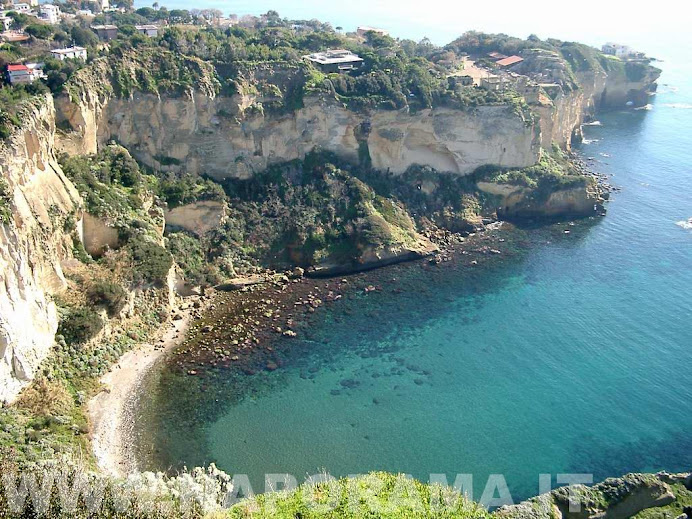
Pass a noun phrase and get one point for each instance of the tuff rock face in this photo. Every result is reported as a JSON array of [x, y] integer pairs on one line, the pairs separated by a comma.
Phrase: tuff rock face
[[32, 246], [218, 136]]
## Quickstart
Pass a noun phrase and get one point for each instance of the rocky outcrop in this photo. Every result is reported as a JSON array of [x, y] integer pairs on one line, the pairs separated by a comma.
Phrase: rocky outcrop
[[32, 246], [519, 202], [198, 218], [218, 136], [375, 257], [561, 116], [98, 236], [614, 498]]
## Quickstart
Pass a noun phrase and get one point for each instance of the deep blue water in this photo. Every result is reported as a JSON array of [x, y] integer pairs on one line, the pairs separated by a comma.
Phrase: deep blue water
[[575, 356]]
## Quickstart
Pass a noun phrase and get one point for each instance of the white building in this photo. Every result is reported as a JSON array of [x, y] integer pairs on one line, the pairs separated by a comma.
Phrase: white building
[[148, 30], [21, 8], [30, 3], [5, 22], [615, 49], [363, 30], [337, 60], [28, 73], [70, 53], [50, 13]]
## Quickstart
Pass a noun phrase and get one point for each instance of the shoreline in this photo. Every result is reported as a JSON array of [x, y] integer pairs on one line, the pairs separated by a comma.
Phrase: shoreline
[[108, 410], [267, 311]]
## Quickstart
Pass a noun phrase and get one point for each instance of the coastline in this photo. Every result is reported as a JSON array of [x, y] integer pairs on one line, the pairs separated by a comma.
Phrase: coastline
[[109, 409]]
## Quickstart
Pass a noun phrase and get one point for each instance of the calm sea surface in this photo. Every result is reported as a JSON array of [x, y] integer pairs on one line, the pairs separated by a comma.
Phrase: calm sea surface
[[574, 356]]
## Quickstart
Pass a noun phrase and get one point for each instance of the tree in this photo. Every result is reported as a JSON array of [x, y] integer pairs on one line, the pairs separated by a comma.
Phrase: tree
[[180, 16], [39, 31], [19, 20], [83, 37], [155, 5]]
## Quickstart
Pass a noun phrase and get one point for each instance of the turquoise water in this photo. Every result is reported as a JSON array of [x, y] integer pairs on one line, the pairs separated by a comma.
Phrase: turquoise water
[[573, 355]]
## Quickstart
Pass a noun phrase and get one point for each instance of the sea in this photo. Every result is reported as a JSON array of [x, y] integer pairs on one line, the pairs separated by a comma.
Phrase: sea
[[571, 357]]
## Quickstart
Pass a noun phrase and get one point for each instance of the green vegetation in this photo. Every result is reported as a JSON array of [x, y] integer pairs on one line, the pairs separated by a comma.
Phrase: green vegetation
[[151, 262], [39, 30], [379, 494], [79, 325], [5, 202], [108, 294], [110, 183], [309, 212], [13, 102], [683, 500], [553, 171], [188, 189]]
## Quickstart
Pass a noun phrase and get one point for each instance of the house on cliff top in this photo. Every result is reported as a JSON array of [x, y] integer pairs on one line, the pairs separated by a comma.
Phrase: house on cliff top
[[338, 60], [22, 74]]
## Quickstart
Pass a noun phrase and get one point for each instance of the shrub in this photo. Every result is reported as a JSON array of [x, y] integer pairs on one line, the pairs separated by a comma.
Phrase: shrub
[[189, 255], [108, 294], [80, 325], [5, 200], [189, 189], [151, 262]]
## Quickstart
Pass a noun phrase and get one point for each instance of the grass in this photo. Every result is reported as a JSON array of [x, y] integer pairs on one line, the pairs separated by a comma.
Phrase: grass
[[378, 494]]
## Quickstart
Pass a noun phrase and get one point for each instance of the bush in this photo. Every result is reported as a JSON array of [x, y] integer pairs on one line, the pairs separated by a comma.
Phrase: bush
[[80, 325], [189, 255], [108, 294], [5, 200], [189, 189], [151, 262]]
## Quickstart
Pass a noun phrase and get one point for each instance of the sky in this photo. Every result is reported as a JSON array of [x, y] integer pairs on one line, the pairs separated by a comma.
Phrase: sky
[[652, 27]]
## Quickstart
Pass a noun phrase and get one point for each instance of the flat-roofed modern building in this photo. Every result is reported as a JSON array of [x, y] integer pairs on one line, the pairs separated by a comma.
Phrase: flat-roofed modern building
[[70, 53], [337, 60]]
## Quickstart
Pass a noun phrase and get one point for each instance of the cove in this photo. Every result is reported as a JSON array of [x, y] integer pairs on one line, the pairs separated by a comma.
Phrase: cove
[[571, 353]]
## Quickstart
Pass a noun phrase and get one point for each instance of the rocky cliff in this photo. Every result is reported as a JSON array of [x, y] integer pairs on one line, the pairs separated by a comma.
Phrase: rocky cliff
[[562, 113], [42, 204], [235, 136], [662, 494], [218, 136]]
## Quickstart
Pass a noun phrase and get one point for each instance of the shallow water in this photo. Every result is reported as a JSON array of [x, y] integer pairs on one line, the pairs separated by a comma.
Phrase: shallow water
[[573, 355]]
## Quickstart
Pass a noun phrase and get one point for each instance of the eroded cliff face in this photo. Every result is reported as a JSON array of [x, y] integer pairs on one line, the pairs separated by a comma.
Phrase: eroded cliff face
[[517, 202], [32, 246], [561, 117], [217, 135]]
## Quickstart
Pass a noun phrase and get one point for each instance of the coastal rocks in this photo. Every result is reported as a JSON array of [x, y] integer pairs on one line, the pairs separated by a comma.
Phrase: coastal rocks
[[614, 498], [241, 282], [374, 257], [519, 203]]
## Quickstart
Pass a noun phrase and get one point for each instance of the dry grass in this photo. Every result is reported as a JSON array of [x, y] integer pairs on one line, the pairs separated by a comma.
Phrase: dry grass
[[46, 398]]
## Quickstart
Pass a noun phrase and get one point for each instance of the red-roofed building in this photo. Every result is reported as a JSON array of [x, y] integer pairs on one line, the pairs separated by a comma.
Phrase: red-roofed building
[[19, 74], [14, 36], [508, 62]]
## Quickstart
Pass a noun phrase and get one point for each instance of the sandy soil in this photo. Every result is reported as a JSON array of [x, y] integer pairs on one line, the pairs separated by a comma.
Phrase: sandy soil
[[108, 409]]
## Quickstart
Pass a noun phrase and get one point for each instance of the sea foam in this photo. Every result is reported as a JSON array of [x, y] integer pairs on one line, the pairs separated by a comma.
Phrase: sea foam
[[685, 224], [682, 106]]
